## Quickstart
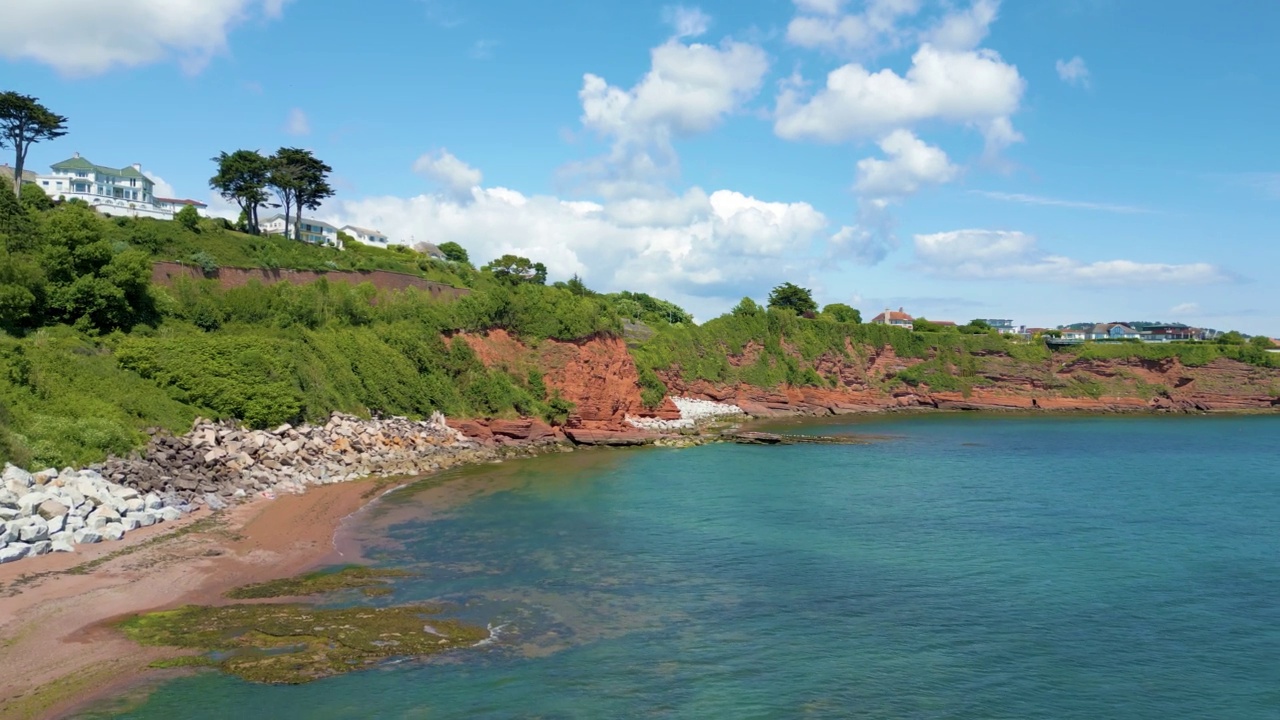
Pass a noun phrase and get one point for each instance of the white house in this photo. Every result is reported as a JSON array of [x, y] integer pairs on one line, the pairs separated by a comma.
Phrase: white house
[[366, 236], [895, 318], [309, 230], [111, 191]]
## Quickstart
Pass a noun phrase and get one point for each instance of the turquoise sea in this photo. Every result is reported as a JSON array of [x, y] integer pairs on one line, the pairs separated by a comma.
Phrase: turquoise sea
[[957, 567]]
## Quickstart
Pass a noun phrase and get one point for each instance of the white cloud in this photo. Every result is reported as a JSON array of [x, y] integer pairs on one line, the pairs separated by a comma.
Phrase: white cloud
[[822, 26], [1073, 71], [689, 89], [454, 176], [1185, 309], [972, 87], [297, 124], [1058, 202], [966, 29], [80, 38], [911, 164], [1012, 255], [162, 188], [694, 246], [687, 22]]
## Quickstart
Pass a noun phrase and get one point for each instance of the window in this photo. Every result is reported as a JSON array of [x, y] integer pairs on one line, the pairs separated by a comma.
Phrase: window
[[82, 175], [44, 183]]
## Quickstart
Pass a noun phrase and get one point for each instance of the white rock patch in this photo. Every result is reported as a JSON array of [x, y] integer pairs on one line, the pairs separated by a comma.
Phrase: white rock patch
[[692, 413]]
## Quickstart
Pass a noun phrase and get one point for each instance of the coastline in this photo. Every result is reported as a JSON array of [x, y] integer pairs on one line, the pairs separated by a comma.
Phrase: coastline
[[55, 641], [55, 610]]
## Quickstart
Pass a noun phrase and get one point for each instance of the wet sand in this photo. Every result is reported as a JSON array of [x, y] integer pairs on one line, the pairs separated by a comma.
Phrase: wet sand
[[57, 648]]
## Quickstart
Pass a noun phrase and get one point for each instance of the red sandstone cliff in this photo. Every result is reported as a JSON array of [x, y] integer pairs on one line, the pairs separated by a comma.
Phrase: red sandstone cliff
[[599, 376]]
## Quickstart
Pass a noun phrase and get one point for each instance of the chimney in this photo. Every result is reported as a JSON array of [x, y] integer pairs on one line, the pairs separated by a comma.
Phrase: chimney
[[77, 156], [901, 310], [137, 166]]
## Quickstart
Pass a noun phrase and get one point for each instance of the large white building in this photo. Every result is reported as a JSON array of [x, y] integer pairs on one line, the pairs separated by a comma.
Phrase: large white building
[[366, 236], [312, 231], [111, 191]]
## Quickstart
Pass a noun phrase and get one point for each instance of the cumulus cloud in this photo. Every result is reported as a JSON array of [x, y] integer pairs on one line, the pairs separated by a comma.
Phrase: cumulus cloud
[[1188, 308], [297, 123], [972, 87], [458, 179], [1012, 255], [1073, 71], [689, 89], [687, 22], [822, 25], [698, 246], [911, 164], [966, 29], [162, 187], [81, 38]]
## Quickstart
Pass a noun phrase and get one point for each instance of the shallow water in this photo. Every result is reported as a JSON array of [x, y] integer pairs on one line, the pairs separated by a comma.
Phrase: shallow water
[[965, 567]]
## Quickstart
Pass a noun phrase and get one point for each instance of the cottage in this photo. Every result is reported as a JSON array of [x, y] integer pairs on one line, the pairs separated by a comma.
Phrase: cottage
[[366, 236], [111, 191], [896, 319], [311, 231]]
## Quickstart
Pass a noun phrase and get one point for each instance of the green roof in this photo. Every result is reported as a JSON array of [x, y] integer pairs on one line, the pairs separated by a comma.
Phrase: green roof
[[79, 163]]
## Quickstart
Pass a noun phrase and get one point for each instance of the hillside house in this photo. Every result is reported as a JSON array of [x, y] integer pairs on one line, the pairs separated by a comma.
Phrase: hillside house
[[896, 319], [310, 230], [1163, 332], [110, 191], [366, 236], [1004, 327]]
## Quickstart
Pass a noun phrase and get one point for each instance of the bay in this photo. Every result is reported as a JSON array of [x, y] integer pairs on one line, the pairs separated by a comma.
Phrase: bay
[[955, 567]]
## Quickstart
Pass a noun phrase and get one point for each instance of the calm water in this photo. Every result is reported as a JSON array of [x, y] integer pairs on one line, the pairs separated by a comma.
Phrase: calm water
[[966, 567]]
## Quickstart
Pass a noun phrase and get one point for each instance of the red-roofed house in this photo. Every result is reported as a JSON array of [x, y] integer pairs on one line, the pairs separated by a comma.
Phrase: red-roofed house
[[896, 319]]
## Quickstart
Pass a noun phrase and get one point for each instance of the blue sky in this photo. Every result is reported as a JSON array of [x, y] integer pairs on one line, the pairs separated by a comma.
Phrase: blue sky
[[1049, 161]]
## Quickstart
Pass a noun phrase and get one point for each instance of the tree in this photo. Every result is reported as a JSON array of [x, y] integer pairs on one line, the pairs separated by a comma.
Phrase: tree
[[242, 178], [312, 181], [285, 177], [24, 121], [842, 313], [1262, 342], [33, 198], [1233, 337], [979, 324], [188, 217], [793, 297], [745, 307], [453, 252], [515, 269]]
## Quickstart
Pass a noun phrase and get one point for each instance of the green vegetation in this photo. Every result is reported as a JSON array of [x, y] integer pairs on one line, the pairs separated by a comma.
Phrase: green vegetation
[[794, 298], [370, 581], [24, 122], [293, 643]]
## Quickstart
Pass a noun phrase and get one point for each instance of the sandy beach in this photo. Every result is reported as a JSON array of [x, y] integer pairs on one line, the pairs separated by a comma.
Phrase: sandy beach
[[57, 648]]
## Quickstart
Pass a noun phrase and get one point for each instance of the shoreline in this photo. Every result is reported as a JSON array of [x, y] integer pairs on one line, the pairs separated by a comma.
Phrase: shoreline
[[56, 610]]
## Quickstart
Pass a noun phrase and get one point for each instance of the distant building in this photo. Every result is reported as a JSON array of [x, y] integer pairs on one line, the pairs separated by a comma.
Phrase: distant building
[[111, 191], [311, 231], [366, 236], [6, 175], [1004, 327], [896, 319], [1162, 332]]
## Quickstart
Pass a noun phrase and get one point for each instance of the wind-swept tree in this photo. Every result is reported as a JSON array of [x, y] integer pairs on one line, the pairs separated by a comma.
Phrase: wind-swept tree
[[242, 178], [515, 269], [24, 121], [793, 297], [286, 178], [309, 176]]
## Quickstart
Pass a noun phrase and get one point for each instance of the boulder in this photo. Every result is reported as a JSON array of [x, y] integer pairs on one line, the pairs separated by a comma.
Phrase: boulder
[[75, 522], [133, 505], [16, 480], [8, 534], [61, 546], [46, 476], [57, 524], [13, 551], [29, 502], [114, 531], [43, 547], [131, 523], [51, 508], [35, 530], [152, 502], [87, 536], [125, 493]]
